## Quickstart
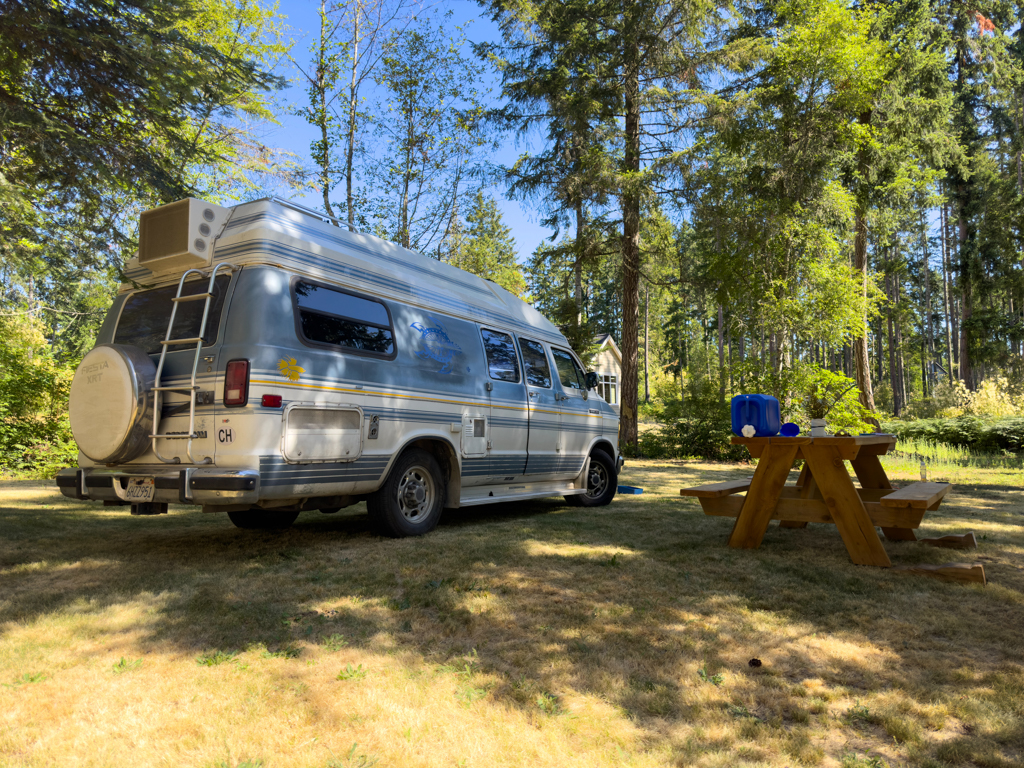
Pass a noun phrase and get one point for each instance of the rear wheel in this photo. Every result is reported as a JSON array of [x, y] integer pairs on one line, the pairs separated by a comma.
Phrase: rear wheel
[[602, 482], [263, 519], [410, 501]]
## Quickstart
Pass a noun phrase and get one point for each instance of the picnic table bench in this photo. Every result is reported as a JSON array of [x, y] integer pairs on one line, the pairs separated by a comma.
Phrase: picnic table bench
[[824, 493]]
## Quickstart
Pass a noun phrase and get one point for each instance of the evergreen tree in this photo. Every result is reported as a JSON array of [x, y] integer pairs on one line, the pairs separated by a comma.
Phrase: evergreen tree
[[487, 248]]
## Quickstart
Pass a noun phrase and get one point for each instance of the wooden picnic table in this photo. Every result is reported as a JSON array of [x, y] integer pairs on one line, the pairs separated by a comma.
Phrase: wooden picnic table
[[824, 493]]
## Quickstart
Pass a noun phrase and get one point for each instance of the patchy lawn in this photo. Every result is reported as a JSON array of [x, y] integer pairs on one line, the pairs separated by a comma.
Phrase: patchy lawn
[[522, 634]]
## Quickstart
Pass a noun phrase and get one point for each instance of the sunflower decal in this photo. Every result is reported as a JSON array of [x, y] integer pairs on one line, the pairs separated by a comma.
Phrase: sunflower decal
[[290, 368]]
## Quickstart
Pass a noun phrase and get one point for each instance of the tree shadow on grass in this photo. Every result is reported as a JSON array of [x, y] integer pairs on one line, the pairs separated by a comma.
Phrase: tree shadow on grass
[[640, 604]]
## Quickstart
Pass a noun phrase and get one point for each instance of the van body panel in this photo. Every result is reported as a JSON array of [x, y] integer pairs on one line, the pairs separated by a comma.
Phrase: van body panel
[[426, 378]]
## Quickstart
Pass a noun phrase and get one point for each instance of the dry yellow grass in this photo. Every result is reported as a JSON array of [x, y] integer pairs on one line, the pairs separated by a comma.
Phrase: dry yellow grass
[[533, 634]]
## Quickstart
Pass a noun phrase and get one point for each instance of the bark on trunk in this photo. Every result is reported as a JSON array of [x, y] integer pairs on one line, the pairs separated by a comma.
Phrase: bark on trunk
[[630, 241], [862, 366]]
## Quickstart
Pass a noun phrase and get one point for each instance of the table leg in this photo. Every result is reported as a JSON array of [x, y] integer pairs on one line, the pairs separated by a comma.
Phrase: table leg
[[844, 503], [871, 474], [808, 490], [769, 477]]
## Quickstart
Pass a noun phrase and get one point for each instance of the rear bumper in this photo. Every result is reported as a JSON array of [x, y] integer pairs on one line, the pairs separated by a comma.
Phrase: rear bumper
[[191, 485]]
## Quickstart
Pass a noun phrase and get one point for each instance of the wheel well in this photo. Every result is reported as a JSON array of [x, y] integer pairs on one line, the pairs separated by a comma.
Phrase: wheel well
[[448, 459], [606, 446]]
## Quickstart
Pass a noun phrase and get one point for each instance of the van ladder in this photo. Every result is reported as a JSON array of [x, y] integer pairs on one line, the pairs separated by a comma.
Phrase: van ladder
[[193, 389]]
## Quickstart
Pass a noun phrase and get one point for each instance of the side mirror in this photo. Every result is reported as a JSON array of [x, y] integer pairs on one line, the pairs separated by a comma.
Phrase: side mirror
[[592, 380]]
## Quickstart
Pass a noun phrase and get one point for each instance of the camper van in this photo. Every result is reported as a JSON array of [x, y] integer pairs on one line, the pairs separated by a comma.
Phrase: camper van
[[263, 361]]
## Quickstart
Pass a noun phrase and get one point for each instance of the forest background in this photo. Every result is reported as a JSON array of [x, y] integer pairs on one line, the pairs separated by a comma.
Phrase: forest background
[[813, 199]]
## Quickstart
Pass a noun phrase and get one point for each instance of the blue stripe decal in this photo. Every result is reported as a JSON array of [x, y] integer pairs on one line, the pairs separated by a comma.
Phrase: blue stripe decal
[[274, 471]]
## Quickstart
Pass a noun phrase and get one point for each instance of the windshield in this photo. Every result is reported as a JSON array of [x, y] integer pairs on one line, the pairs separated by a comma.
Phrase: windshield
[[143, 321]]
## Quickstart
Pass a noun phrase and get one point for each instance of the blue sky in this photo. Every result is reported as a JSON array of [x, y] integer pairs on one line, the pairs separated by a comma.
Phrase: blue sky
[[295, 134]]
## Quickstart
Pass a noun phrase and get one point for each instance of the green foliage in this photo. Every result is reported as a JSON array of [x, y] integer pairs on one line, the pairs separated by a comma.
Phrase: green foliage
[[126, 665], [967, 431], [111, 104], [35, 434], [487, 248], [215, 658], [697, 426], [352, 673]]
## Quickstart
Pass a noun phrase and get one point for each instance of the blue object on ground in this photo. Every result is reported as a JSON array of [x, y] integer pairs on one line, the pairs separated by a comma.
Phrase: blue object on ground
[[630, 489], [789, 429], [759, 411]]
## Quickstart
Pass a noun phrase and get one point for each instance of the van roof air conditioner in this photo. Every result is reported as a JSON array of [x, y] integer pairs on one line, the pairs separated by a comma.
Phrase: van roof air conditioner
[[180, 235]]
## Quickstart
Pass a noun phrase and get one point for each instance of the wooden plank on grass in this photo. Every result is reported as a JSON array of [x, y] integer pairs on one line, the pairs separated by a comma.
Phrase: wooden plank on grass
[[967, 572], [953, 541]]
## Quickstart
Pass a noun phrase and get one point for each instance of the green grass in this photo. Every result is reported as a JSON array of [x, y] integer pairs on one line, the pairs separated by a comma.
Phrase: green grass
[[520, 634]]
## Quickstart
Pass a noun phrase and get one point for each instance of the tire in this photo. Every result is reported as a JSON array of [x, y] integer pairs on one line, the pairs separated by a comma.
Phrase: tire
[[262, 519], [602, 482], [110, 405], [412, 497]]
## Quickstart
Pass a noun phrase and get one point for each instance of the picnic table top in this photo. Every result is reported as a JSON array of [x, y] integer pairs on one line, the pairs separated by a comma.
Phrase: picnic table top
[[873, 439]]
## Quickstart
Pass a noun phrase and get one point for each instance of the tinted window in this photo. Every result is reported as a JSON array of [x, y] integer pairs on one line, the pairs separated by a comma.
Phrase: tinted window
[[538, 372], [328, 316], [568, 372], [143, 321], [502, 362]]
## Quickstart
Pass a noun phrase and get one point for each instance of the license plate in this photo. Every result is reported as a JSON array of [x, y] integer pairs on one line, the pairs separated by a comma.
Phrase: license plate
[[140, 489]]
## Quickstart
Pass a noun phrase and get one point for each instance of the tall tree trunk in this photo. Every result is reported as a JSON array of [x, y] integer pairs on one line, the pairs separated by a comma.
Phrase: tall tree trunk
[[901, 373], [862, 369], [577, 267], [630, 233], [353, 106], [721, 354], [891, 340], [946, 309], [647, 343]]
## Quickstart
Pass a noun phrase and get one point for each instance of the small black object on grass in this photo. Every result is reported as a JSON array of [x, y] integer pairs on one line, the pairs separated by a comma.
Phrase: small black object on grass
[[754, 662]]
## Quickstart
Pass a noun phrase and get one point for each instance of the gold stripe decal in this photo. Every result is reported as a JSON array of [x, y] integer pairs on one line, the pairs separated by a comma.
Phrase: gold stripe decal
[[407, 397]]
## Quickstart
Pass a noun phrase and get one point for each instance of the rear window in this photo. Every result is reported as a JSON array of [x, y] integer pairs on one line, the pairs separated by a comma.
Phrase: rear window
[[340, 319], [144, 318]]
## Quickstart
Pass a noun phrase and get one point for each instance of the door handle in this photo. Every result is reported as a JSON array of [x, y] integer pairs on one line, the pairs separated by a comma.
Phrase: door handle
[[533, 394]]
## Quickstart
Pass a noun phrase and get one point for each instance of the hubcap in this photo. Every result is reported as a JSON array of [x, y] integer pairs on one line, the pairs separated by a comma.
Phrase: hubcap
[[416, 494], [597, 480]]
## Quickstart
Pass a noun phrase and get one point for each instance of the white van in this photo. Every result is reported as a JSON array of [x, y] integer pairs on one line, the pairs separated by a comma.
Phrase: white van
[[263, 361]]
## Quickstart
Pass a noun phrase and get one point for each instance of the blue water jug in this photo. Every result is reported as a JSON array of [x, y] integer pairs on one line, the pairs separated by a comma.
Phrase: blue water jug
[[760, 411]]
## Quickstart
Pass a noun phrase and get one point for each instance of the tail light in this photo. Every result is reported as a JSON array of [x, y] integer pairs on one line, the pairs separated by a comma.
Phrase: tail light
[[236, 383]]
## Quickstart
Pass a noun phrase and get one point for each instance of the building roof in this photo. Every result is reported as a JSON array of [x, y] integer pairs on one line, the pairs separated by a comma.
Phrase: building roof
[[606, 340]]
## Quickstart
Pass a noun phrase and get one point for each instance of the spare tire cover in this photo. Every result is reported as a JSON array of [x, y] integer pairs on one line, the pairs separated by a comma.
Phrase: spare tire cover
[[111, 403]]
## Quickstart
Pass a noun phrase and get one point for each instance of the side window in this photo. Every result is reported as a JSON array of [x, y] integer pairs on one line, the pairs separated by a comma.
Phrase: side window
[[502, 362], [329, 316], [538, 372], [568, 372]]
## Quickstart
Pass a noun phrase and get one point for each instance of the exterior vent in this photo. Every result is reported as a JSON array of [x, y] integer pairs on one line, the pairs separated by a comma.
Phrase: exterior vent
[[172, 237]]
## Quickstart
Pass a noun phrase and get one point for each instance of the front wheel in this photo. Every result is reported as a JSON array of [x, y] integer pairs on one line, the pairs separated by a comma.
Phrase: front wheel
[[262, 519], [602, 482], [410, 501]]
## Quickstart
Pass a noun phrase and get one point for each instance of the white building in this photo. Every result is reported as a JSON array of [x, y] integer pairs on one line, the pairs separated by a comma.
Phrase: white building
[[607, 363]]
